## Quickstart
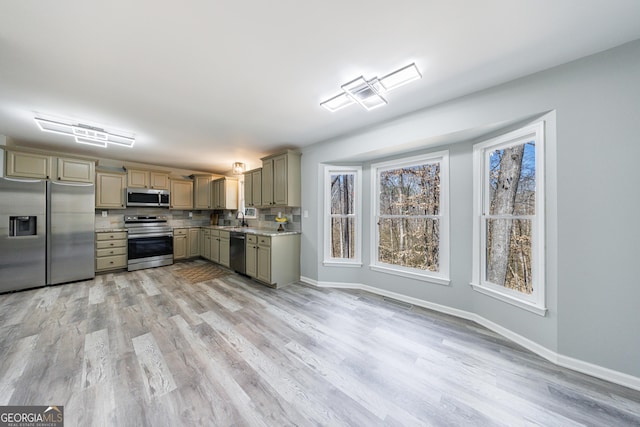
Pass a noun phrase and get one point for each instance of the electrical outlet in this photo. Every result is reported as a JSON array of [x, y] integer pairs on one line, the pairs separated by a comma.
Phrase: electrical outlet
[[306, 214], [190, 214], [104, 214]]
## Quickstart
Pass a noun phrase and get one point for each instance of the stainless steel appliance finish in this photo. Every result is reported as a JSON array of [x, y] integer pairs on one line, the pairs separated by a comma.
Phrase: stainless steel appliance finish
[[22, 254], [70, 232], [147, 197], [149, 241], [46, 233], [237, 249]]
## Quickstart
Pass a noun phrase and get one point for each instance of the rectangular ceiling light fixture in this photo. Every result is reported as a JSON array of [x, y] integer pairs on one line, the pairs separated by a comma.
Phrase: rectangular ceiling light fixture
[[400, 77], [369, 93], [337, 102], [364, 93], [85, 134]]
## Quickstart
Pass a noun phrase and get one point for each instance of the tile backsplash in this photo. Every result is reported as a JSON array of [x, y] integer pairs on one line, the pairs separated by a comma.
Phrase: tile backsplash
[[265, 218]]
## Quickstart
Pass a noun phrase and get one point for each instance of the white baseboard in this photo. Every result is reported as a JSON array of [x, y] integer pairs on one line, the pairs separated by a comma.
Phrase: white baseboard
[[552, 356]]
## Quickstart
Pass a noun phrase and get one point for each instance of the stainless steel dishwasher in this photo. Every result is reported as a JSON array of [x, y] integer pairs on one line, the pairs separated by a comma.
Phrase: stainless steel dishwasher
[[236, 253]]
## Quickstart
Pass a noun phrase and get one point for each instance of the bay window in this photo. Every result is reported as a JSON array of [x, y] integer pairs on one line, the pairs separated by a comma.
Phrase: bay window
[[410, 222], [508, 218]]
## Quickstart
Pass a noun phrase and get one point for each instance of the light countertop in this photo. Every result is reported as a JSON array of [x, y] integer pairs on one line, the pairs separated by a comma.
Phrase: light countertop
[[257, 231]]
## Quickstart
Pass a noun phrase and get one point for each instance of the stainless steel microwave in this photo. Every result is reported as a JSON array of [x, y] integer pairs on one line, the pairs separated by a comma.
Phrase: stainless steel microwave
[[147, 197]]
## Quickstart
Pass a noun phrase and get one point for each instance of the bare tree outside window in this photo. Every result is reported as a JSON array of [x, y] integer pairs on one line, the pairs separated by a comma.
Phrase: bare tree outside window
[[409, 216], [343, 231], [509, 210]]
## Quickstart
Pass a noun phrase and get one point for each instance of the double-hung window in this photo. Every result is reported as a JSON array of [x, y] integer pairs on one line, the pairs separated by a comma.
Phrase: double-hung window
[[342, 207], [509, 218], [410, 218]]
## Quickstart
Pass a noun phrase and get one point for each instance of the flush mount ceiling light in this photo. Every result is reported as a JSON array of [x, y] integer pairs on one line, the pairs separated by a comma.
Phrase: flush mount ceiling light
[[369, 93], [238, 168], [84, 134]]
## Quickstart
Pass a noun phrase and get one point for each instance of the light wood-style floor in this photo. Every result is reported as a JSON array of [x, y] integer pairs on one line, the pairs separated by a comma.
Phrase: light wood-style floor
[[148, 349]]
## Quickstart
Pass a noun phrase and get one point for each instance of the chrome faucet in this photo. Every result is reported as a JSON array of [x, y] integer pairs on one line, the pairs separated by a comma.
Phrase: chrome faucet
[[243, 223]]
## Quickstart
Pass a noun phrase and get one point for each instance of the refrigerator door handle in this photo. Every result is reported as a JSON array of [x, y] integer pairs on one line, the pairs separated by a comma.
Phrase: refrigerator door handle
[[21, 179], [73, 184]]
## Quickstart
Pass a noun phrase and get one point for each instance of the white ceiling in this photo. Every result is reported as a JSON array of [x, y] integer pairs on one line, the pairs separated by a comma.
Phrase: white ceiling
[[204, 83]]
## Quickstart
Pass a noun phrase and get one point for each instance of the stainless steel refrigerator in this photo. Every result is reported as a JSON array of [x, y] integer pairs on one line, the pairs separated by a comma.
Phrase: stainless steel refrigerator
[[46, 233]]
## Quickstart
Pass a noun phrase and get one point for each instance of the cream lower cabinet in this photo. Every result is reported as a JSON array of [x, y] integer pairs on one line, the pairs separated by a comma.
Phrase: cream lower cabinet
[[215, 246], [194, 242], [205, 243], [111, 250], [225, 248], [186, 243], [263, 264], [219, 247], [273, 260], [180, 243], [251, 255]]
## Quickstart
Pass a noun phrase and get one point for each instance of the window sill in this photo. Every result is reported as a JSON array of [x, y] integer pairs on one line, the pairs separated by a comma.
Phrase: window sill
[[342, 264], [540, 311], [411, 275]]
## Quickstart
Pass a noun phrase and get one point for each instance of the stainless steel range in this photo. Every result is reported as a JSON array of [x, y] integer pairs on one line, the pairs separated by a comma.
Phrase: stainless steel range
[[150, 242]]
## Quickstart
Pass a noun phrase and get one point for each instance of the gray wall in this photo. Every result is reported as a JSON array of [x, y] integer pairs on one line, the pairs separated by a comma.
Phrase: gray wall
[[593, 242]]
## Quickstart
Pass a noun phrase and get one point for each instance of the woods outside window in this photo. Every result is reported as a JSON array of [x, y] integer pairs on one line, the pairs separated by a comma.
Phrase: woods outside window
[[508, 227], [343, 223], [411, 220]]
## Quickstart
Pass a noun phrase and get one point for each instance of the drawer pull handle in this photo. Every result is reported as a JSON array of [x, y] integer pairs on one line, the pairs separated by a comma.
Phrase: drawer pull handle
[[110, 262]]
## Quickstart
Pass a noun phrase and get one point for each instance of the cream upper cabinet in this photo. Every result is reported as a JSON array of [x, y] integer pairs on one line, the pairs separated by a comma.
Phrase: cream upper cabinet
[[202, 192], [253, 188], [181, 194], [159, 180], [138, 178], [110, 190], [281, 180], [248, 189], [267, 182], [75, 170], [224, 193], [43, 166], [28, 165]]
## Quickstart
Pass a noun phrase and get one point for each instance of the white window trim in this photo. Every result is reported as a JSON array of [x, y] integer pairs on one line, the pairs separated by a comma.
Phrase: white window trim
[[329, 261], [440, 277], [536, 302]]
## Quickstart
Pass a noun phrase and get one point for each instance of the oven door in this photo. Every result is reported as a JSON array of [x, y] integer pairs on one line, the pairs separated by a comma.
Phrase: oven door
[[150, 250]]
